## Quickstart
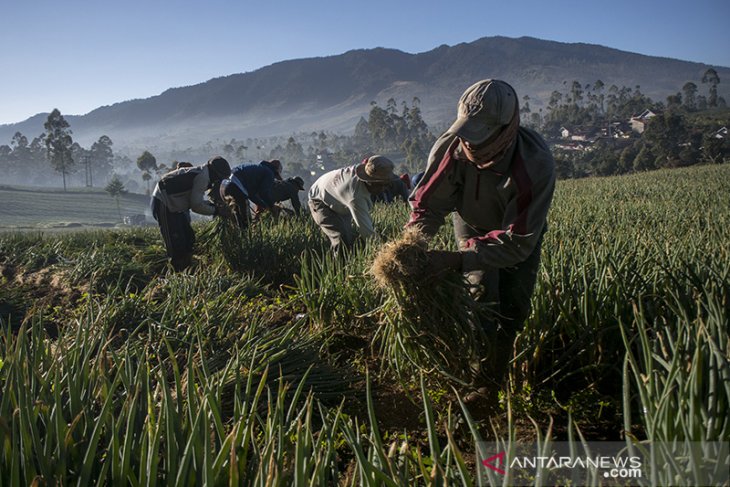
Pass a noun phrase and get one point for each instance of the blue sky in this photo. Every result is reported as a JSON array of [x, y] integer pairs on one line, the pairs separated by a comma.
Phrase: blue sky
[[78, 55]]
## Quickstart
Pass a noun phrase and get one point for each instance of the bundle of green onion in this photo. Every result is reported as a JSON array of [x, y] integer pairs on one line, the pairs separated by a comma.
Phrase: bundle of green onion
[[430, 323]]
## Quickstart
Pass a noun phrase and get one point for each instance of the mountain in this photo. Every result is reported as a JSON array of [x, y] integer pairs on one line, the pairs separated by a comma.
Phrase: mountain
[[332, 93]]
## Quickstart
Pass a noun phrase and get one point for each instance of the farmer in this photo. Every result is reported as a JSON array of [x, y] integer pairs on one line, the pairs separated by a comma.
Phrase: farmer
[[406, 181], [251, 182], [397, 190], [277, 166], [497, 179], [287, 190], [416, 178], [174, 195], [342, 196]]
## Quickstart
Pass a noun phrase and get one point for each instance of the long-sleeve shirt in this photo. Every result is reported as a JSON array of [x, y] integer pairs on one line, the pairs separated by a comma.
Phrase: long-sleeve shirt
[[185, 189], [258, 181], [506, 203], [286, 190], [346, 195]]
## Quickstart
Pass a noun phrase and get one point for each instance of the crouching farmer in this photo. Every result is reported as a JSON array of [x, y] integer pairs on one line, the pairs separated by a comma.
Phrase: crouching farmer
[[288, 190], [496, 178], [175, 195], [254, 183], [343, 196]]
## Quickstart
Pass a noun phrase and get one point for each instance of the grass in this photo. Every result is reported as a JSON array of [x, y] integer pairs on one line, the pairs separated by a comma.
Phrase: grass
[[40, 209], [270, 364]]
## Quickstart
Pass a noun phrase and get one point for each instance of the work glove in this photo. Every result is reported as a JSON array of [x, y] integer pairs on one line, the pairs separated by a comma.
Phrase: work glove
[[443, 260]]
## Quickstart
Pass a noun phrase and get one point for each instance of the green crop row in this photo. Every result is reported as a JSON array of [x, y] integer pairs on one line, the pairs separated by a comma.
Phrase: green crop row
[[268, 364]]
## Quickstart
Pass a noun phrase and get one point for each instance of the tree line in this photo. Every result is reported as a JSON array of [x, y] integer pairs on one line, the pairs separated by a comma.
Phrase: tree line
[[56, 150], [682, 133], [399, 132]]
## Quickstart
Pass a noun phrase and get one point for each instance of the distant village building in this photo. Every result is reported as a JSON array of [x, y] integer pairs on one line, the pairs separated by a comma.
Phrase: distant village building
[[584, 138], [593, 133], [618, 130], [638, 123], [578, 138]]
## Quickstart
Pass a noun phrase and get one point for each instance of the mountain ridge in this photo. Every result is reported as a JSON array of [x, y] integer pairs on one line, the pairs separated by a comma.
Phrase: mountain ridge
[[333, 92]]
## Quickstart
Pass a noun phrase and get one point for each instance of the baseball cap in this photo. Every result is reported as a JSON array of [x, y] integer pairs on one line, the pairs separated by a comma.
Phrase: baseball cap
[[484, 109]]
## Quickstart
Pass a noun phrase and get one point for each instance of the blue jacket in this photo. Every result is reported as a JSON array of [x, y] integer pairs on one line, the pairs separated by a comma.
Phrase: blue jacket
[[258, 180]]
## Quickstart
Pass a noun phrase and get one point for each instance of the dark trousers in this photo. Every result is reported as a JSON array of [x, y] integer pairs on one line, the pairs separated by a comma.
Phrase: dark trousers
[[336, 227], [177, 233], [507, 290]]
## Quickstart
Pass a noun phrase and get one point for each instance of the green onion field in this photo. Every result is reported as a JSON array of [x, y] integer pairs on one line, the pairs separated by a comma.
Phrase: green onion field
[[274, 363]]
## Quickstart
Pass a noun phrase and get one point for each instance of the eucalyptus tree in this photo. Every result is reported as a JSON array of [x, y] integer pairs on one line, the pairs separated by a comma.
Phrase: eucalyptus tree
[[556, 99], [576, 93], [229, 149], [417, 127], [674, 101], [381, 131], [37, 152], [322, 142], [59, 142], [102, 157], [666, 135], [293, 152], [598, 95], [19, 157], [241, 152], [147, 163], [690, 95], [713, 79], [5, 158], [362, 137]]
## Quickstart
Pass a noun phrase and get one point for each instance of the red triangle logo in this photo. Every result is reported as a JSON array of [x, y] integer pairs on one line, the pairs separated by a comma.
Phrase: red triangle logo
[[495, 462]]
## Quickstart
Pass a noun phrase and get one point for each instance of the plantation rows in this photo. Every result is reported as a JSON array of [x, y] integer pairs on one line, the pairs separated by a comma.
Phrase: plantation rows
[[274, 363]]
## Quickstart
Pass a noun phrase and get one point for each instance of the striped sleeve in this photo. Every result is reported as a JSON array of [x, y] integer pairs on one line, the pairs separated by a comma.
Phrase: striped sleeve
[[435, 195]]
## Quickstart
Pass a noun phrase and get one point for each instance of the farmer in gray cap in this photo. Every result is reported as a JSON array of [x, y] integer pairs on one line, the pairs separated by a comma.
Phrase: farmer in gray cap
[[496, 178], [342, 196], [178, 192]]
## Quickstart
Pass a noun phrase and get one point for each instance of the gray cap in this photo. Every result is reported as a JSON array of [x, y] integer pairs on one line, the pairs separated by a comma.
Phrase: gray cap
[[484, 108]]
